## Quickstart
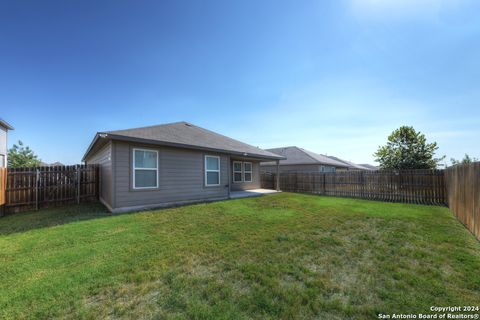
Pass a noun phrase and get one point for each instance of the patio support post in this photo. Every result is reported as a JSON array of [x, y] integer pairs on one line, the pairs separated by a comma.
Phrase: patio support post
[[229, 171], [278, 175]]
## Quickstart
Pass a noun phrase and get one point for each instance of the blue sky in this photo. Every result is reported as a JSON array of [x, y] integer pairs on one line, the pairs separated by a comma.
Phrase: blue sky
[[335, 77]]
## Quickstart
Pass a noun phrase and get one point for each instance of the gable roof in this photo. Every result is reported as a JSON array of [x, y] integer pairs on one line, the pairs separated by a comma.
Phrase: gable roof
[[5, 124], [295, 155], [53, 164], [184, 135], [350, 164], [369, 166]]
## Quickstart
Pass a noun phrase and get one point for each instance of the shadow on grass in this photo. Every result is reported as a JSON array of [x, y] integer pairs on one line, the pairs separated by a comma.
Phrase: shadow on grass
[[44, 218]]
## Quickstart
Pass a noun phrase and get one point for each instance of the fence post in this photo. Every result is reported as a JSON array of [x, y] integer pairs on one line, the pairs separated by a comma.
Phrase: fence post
[[37, 186], [324, 183], [278, 176], [78, 184], [3, 190], [362, 184]]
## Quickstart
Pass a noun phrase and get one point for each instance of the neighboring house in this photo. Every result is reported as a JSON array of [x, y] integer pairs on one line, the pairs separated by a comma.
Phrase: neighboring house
[[4, 127], [53, 164], [351, 166], [171, 164], [369, 166], [301, 160]]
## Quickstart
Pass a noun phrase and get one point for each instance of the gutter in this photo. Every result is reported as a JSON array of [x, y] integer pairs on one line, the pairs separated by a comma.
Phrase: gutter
[[6, 125]]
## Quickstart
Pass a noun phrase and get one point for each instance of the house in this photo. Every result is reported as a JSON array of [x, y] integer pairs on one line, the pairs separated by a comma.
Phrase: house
[[4, 127], [53, 164], [171, 164], [299, 159], [369, 166], [351, 166]]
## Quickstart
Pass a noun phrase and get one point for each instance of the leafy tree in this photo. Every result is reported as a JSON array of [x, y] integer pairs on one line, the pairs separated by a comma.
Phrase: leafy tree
[[466, 159], [22, 156], [407, 149]]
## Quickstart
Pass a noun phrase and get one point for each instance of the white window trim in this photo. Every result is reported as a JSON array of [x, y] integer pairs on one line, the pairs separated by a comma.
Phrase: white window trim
[[146, 169], [210, 170], [241, 172], [250, 171]]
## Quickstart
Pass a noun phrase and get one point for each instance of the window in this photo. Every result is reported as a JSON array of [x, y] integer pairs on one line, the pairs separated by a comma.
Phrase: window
[[237, 171], [242, 171], [145, 169], [247, 171], [212, 171]]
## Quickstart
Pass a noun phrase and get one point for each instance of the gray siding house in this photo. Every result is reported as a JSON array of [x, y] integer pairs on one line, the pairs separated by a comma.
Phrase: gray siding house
[[352, 166], [301, 160], [170, 164], [369, 166], [4, 127]]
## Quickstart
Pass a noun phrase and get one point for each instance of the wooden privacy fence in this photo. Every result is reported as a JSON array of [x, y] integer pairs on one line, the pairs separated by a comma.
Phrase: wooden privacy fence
[[408, 186], [463, 185], [3, 187], [32, 188]]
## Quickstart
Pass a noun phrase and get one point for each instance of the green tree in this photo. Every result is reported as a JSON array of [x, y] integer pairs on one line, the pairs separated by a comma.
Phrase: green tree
[[407, 149], [466, 160], [22, 156]]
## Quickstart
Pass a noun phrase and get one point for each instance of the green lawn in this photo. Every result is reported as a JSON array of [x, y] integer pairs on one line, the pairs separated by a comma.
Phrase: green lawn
[[279, 256]]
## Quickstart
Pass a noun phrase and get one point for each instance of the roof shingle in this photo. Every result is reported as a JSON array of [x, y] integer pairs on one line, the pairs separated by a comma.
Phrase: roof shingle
[[351, 164], [187, 135], [296, 155]]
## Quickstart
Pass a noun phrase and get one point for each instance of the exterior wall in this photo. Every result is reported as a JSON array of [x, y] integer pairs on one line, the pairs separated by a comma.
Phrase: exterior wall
[[103, 157], [181, 178], [298, 168], [255, 184], [3, 146]]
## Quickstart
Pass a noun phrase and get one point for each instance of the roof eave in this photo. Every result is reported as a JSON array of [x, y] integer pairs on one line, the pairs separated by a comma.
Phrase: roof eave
[[6, 125], [312, 163], [98, 136], [177, 145]]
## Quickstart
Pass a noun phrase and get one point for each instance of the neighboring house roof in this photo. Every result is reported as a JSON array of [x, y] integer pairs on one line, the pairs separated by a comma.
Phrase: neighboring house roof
[[184, 135], [369, 166], [5, 124], [53, 164], [295, 155], [350, 164]]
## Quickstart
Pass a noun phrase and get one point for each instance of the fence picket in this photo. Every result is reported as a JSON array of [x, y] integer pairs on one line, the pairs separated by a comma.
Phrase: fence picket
[[409, 186], [463, 193], [26, 189]]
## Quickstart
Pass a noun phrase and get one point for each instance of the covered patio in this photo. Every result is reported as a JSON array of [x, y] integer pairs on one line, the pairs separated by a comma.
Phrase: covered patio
[[245, 177], [251, 193]]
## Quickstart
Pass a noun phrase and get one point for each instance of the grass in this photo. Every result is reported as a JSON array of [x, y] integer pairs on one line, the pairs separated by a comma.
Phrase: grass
[[281, 256]]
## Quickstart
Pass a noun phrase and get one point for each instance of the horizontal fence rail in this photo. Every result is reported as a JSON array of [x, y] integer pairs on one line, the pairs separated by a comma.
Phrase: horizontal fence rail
[[463, 185], [33, 188], [408, 186]]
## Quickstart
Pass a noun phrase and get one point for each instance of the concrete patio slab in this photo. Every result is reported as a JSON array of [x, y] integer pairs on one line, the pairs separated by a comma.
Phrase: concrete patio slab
[[251, 193]]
